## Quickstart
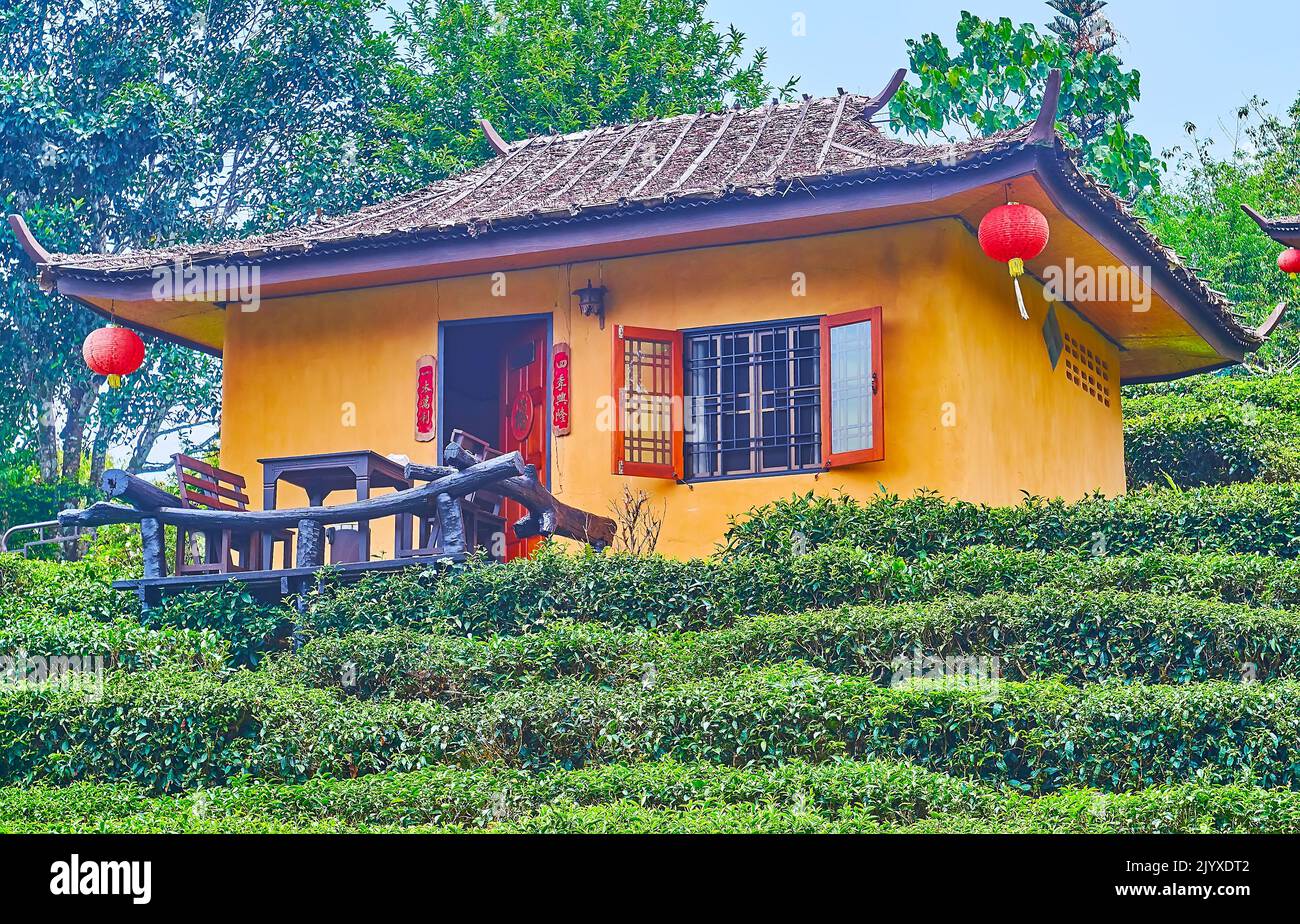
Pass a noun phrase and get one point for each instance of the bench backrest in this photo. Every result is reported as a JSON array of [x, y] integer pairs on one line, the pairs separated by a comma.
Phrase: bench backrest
[[206, 487], [484, 499]]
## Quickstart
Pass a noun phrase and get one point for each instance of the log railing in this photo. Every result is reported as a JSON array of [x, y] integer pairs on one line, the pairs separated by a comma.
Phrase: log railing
[[154, 508], [546, 515]]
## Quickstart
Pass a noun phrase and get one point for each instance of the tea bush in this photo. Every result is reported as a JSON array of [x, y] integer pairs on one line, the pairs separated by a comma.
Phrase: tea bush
[[1213, 430], [870, 796], [1245, 518], [172, 730], [1080, 636]]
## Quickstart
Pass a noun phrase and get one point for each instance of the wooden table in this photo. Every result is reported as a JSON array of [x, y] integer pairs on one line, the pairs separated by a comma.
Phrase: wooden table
[[321, 474]]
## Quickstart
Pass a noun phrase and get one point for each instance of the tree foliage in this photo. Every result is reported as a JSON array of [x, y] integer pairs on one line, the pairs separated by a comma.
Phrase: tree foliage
[[1199, 215], [548, 66], [1083, 26], [136, 123], [995, 80]]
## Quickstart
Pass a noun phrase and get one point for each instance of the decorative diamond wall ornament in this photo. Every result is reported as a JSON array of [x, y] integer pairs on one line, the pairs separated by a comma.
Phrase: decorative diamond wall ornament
[[1052, 336]]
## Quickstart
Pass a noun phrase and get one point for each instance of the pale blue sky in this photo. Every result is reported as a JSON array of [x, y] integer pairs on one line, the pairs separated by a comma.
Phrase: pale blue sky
[[1199, 59]]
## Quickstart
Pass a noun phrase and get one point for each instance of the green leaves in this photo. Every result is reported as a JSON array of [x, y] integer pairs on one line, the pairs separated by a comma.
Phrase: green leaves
[[1200, 216], [1242, 518], [546, 66], [995, 81]]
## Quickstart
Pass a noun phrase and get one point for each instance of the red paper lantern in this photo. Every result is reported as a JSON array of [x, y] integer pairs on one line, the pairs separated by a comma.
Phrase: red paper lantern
[[114, 352], [1012, 234], [1288, 261]]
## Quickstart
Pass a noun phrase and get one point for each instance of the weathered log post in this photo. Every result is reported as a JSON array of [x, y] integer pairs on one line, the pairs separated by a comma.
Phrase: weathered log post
[[311, 544], [146, 497], [151, 543], [452, 524]]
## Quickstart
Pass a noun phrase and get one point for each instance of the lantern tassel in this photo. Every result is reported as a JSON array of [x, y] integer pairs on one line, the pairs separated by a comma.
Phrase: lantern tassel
[[114, 381], [1016, 266]]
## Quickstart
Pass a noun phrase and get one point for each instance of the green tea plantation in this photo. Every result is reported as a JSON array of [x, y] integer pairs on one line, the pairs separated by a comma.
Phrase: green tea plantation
[[895, 665]]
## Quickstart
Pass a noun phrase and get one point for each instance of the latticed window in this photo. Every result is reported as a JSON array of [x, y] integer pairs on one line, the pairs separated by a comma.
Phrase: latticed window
[[753, 399], [648, 376]]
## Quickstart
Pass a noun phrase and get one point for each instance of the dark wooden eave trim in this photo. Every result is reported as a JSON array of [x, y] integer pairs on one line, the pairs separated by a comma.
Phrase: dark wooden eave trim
[[40, 258], [1110, 230], [586, 235], [1044, 130], [35, 252], [1284, 234], [1265, 330], [881, 99]]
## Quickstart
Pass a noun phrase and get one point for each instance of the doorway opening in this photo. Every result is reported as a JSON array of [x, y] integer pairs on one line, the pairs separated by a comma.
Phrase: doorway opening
[[494, 378]]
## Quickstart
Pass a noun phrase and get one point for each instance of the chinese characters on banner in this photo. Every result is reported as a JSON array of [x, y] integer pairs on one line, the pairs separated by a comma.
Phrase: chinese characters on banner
[[560, 390], [425, 377]]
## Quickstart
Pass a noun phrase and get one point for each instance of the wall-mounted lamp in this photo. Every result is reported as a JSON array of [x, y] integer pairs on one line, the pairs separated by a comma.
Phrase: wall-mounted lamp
[[591, 301]]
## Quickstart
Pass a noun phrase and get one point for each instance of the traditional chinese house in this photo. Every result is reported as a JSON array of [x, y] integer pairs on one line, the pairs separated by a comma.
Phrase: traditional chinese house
[[719, 308]]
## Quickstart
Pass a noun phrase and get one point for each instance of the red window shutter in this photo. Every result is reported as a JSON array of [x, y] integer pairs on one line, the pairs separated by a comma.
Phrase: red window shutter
[[853, 389], [647, 386]]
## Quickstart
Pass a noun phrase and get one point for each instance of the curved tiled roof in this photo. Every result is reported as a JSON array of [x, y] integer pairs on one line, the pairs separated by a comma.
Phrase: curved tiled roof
[[684, 161], [710, 154]]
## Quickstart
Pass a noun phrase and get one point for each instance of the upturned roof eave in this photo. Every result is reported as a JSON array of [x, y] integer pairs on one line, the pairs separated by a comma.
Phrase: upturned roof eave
[[1101, 214]]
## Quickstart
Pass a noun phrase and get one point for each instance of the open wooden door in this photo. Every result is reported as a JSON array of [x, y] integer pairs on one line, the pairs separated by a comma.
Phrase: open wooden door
[[523, 407]]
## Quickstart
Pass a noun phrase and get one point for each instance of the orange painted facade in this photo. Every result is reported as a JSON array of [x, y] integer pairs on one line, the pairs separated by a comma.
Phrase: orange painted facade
[[972, 407]]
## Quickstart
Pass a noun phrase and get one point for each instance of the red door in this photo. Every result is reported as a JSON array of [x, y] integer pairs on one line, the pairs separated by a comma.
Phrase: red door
[[524, 412]]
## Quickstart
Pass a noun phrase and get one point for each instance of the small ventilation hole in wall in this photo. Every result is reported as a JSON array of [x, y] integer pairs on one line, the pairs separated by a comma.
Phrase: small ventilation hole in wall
[[1087, 370]]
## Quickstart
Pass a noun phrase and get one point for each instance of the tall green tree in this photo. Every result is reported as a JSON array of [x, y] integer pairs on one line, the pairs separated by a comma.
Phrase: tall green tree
[[1082, 26], [995, 80], [543, 66], [133, 123], [1199, 214]]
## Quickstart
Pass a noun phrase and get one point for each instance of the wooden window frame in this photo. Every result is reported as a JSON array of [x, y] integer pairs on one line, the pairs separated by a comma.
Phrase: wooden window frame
[[620, 465], [877, 450]]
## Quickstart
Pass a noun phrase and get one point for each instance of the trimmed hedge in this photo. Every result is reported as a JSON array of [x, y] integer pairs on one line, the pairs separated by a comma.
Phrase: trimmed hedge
[[122, 643], [1081, 636], [1219, 443], [171, 731], [1035, 736], [660, 593], [63, 589], [1244, 518], [1213, 429], [482, 796], [651, 593], [660, 796]]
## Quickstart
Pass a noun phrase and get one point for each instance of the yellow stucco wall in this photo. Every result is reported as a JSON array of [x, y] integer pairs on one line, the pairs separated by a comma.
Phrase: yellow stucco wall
[[972, 406]]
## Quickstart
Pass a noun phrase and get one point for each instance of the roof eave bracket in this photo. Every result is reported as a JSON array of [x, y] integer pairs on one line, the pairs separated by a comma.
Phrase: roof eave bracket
[[881, 99], [498, 143], [1265, 330], [1270, 228], [1044, 130], [35, 252]]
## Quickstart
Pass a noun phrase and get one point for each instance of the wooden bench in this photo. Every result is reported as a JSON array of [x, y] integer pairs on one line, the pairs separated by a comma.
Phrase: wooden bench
[[206, 487]]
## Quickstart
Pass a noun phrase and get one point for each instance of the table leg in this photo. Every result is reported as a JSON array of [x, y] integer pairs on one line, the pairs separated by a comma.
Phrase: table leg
[[363, 527], [265, 550]]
